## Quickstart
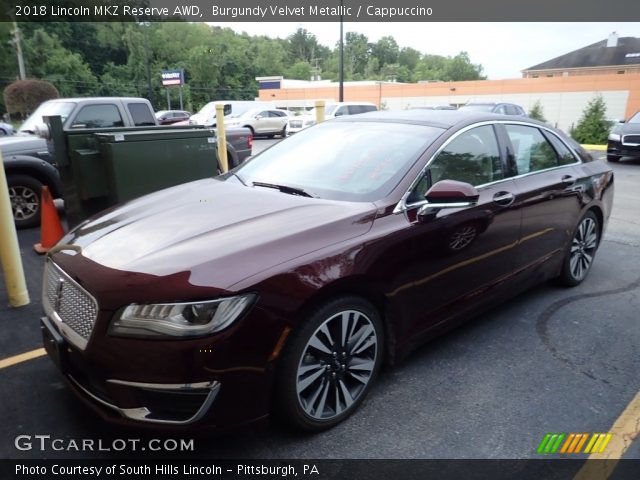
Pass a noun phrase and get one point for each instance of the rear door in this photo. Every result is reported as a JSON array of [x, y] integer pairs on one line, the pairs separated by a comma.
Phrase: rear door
[[549, 181]]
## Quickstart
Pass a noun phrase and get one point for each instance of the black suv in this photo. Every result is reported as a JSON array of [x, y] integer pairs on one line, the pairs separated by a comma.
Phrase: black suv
[[624, 139], [502, 108]]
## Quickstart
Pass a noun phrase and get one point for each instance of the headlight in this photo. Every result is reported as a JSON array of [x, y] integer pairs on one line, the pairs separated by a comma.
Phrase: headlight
[[614, 136], [180, 319]]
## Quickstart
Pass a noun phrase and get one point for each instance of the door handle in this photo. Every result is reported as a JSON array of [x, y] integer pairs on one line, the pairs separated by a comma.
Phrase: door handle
[[568, 180], [504, 199]]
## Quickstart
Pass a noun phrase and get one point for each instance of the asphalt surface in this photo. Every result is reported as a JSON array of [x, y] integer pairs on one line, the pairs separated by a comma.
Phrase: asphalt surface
[[551, 360]]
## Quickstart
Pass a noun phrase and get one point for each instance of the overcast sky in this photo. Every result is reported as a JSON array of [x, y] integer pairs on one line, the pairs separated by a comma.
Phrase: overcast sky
[[503, 49]]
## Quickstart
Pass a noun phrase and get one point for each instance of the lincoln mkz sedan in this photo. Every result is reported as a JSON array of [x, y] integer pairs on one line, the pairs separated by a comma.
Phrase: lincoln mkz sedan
[[282, 286]]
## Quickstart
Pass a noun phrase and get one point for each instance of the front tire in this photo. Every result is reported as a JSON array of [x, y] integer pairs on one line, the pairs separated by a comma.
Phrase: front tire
[[330, 364], [24, 194], [582, 251]]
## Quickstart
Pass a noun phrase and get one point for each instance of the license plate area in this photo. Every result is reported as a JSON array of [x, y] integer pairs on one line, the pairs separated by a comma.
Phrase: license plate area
[[55, 345]]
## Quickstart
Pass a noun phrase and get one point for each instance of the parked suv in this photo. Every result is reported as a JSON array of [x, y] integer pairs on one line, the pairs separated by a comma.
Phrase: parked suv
[[331, 110], [502, 108]]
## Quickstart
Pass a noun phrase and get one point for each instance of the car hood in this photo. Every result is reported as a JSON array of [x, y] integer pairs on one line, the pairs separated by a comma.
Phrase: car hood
[[631, 128], [220, 232], [15, 144]]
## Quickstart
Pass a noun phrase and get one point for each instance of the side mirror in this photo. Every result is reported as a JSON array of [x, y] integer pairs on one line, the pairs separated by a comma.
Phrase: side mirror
[[447, 194]]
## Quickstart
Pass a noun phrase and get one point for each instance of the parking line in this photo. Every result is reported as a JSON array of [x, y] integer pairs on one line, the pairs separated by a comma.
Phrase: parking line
[[624, 431], [23, 357]]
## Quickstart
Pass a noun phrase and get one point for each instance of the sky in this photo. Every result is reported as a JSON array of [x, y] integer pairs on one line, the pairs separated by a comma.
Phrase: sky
[[503, 49]]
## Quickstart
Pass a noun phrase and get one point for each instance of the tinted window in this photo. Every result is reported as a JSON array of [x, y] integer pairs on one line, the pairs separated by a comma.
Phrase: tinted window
[[472, 157], [98, 116], [532, 151], [368, 108], [501, 109], [565, 157], [342, 161], [341, 111], [141, 114]]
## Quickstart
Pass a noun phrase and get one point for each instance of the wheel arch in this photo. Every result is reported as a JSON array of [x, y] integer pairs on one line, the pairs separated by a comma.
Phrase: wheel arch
[[366, 289]]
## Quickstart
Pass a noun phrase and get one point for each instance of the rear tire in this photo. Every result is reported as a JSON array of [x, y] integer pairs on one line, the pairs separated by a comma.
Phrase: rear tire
[[24, 194], [582, 250], [613, 158], [330, 364]]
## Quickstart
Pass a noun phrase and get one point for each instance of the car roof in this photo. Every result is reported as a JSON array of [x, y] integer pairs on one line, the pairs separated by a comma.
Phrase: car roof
[[435, 118]]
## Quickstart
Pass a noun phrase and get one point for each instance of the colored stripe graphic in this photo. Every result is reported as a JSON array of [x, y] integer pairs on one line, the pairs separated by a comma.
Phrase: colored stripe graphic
[[573, 442]]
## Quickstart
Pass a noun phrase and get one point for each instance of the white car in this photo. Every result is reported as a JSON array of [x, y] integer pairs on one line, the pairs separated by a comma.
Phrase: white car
[[331, 110], [261, 121]]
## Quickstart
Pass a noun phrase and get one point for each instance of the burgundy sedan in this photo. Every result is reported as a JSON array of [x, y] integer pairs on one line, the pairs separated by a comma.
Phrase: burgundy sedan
[[284, 285]]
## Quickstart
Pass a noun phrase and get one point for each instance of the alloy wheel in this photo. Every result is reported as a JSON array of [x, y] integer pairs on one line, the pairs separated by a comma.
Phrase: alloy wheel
[[583, 248], [24, 202], [337, 364]]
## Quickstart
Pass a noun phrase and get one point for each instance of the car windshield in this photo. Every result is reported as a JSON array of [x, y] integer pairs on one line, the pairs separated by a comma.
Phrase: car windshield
[[353, 161], [161, 112], [635, 118], [46, 109], [477, 108]]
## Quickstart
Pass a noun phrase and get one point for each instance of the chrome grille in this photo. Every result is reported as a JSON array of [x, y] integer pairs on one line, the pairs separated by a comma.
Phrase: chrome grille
[[295, 123], [72, 307]]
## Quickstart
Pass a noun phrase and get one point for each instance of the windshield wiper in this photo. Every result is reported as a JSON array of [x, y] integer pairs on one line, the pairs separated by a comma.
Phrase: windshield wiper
[[284, 189]]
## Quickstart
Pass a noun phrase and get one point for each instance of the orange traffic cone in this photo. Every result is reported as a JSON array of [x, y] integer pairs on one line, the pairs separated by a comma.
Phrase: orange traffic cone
[[51, 230]]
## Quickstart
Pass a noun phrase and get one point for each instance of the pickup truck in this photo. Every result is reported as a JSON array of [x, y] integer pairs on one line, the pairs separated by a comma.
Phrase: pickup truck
[[29, 165]]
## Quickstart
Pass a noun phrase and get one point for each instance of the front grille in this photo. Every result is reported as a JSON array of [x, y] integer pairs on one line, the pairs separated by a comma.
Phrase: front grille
[[71, 306], [295, 123], [631, 139]]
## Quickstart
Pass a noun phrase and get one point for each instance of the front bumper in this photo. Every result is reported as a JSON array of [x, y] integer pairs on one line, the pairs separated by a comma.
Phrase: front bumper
[[622, 150], [187, 396]]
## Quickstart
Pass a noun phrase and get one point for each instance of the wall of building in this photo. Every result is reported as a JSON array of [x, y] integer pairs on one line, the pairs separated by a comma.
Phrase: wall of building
[[619, 70], [563, 99]]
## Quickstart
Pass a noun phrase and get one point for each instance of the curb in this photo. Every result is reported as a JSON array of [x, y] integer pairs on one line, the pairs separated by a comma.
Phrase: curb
[[601, 148]]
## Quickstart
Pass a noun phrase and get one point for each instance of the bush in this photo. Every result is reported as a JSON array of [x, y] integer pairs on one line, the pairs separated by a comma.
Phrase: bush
[[536, 112], [23, 96], [593, 128]]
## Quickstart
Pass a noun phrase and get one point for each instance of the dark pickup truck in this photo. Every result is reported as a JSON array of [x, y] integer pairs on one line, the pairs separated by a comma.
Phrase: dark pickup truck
[[29, 165]]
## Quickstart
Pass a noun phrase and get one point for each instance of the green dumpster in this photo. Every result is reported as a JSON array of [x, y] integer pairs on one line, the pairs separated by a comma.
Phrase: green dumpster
[[140, 162]]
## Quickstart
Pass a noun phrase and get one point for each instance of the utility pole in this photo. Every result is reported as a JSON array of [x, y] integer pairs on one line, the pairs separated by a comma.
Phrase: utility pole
[[16, 42]]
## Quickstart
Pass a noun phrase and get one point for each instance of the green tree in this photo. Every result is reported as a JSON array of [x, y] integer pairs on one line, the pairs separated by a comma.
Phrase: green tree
[[385, 50], [356, 54], [47, 59], [593, 127], [536, 112]]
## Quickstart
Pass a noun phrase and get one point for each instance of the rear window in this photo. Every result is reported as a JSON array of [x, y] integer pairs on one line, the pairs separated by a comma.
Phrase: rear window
[[98, 116], [141, 114]]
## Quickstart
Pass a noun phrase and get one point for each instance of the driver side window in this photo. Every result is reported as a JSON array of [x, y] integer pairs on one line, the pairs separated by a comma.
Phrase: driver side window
[[472, 157]]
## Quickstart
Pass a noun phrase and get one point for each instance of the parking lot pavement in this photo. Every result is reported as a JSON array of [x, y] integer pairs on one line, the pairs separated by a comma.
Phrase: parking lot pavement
[[551, 360]]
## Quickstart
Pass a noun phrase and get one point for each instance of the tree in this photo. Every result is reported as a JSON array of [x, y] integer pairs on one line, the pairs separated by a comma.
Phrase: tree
[[47, 59], [593, 127], [356, 54], [386, 50], [24, 96], [536, 112]]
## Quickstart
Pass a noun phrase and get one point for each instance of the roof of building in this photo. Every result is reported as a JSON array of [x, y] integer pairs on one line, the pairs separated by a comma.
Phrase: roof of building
[[625, 52]]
